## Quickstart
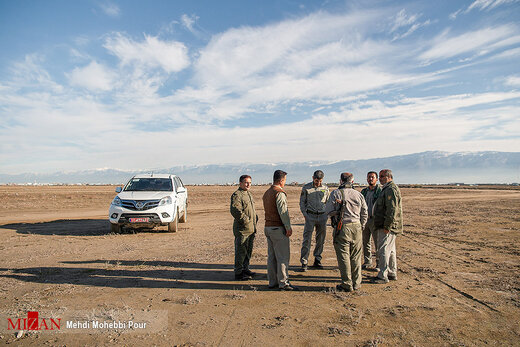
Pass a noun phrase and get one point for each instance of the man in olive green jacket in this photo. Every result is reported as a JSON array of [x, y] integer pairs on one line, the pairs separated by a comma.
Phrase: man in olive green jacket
[[242, 208], [388, 220]]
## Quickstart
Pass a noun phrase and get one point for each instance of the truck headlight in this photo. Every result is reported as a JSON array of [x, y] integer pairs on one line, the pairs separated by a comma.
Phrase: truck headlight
[[167, 200], [116, 201]]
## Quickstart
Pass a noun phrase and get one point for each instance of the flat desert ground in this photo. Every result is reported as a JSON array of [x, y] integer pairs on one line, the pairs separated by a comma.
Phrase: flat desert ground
[[458, 281]]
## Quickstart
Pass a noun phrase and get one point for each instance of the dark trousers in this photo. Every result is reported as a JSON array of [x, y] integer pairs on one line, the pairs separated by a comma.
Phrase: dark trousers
[[243, 252]]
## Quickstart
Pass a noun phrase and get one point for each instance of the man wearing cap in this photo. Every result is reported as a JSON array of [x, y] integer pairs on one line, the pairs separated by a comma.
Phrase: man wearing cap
[[370, 194], [313, 199], [277, 231], [242, 208], [349, 205], [388, 221]]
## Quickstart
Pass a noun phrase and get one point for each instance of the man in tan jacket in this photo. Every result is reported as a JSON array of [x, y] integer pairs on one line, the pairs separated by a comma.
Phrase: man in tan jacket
[[350, 206], [242, 208], [277, 231]]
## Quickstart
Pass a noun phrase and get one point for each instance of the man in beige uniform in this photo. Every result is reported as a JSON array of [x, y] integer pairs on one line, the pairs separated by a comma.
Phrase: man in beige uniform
[[277, 230], [348, 241], [242, 208], [313, 199]]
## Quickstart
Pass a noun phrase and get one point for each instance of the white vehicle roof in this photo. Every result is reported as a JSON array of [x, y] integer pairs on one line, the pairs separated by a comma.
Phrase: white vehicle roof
[[153, 176]]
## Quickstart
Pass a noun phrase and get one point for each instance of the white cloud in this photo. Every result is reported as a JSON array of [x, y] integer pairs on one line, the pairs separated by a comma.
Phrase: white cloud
[[248, 52], [318, 57], [414, 124], [329, 84], [403, 20], [94, 76], [445, 46], [79, 55], [513, 81], [482, 5], [171, 56], [189, 21], [110, 9], [407, 22], [339, 75], [30, 74], [454, 15], [488, 4], [508, 54]]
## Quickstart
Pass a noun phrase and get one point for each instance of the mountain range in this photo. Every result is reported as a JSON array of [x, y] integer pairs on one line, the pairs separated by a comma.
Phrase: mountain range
[[432, 167]]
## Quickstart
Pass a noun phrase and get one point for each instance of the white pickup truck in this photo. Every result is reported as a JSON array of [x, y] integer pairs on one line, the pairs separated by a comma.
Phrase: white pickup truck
[[149, 200]]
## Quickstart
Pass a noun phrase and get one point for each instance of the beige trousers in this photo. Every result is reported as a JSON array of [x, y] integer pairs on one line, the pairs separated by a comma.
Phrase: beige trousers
[[278, 254], [348, 245], [386, 253]]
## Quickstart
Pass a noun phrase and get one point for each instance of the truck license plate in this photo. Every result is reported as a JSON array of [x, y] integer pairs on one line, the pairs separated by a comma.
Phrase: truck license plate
[[139, 220]]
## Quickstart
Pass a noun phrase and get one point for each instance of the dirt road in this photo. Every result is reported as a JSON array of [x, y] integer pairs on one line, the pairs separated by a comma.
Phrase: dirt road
[[457, 284]]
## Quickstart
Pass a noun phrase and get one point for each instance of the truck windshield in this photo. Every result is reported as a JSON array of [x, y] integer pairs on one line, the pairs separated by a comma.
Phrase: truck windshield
[[149, 184]]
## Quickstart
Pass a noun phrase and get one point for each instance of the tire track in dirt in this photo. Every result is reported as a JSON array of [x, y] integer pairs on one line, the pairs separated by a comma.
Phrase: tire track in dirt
[[452, 287], [227, 326], [514, 252], [439, 279]]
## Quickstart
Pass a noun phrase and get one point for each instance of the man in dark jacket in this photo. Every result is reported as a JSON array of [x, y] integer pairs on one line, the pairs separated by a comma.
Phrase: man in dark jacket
[[242, 208], [370, 193], [388, 220]]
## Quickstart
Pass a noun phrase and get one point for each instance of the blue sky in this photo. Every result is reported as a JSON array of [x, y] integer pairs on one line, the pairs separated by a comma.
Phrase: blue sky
[[144, 85]]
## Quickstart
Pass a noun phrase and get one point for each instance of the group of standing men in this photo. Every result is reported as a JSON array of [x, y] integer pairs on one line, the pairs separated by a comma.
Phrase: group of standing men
[[357, 218]]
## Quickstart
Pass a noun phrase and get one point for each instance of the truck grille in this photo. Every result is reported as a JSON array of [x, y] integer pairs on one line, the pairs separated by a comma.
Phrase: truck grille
[[140, 205]]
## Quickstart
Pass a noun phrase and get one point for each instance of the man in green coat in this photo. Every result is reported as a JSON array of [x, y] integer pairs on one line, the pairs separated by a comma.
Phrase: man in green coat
[[388, 220], [242, 208]]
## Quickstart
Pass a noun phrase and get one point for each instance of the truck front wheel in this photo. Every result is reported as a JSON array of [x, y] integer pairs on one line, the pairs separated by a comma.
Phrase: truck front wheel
[[115, 228], [172, 226], [184, 217]]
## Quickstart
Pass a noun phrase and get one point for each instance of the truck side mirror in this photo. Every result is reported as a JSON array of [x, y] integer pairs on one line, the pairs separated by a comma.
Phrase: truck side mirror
[[118, 189]]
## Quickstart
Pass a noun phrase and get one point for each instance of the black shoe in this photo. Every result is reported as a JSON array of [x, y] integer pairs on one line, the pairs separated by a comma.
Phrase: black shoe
[[317, 265], [273, 287], [340, 288], [378, 280], [288, 287], [392, 277], [243, 277], [303, 268], [250, 273]]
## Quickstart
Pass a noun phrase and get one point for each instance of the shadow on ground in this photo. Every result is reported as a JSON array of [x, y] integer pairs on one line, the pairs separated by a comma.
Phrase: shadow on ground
[[72, 227], [182, 275]]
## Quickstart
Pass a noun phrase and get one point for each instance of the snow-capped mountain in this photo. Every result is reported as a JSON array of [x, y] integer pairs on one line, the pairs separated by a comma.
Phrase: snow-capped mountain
[[425, 167]]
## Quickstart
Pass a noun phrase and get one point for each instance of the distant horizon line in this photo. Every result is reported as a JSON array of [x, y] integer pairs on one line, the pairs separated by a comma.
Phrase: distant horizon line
[[321, 162], [292, 184]]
